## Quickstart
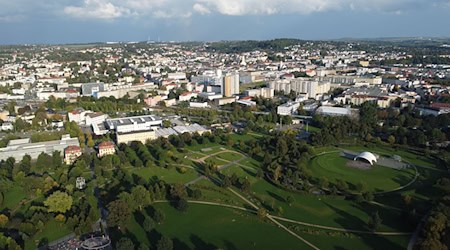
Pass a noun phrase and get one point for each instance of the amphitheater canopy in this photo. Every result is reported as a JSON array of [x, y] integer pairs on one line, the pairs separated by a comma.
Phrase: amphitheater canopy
[[371, 158]]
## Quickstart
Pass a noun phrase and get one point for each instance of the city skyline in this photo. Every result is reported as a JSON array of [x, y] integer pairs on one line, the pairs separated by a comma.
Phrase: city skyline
[[68, 21]]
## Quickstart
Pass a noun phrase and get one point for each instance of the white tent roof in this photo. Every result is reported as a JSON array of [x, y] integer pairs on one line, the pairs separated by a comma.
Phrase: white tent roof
[[367, 156]]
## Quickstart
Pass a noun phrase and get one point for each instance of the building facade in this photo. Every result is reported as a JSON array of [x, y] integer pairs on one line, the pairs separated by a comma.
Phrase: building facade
[[71, 154], [106, 148]]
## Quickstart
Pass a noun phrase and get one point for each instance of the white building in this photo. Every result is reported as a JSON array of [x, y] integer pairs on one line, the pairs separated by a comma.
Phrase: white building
[[311, 88], [135, 123], [95, 118], [261, 92], [334, 111], [198, 104], [7, 126], [288, 108]]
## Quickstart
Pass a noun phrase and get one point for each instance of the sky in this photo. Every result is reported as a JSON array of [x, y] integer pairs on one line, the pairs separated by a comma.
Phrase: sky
[[85, 21]]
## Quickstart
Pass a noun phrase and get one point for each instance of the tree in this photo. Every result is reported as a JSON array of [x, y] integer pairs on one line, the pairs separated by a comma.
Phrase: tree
[[226, 183], [56, 159], [391, 139], [262, 213], [178, 191], [143, 246], [259, 173], [165, 243], [148, 224], [60, 218], [125, 244], [197, 194], [360, 186], [119, 213], [58, 202], [245, 185], [368, 196], [141, 196], [3, 220], [323, 182], [90, 141], [159, 216], [290, 200], [374, 221], [182, 205]]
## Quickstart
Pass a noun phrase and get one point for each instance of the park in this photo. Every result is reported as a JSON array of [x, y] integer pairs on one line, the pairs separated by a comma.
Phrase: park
[[253, 209], [311, 217]]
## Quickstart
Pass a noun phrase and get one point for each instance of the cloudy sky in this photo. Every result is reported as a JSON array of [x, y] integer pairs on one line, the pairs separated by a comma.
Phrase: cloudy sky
[[74, 21]]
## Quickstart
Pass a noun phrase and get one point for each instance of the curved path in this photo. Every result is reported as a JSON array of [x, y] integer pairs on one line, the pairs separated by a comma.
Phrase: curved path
[[342, 229]]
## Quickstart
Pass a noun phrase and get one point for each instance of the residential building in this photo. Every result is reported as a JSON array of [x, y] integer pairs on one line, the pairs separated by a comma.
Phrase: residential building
[[71, 154], [230, 85], [261, 92], [224, 101], [106, 148]]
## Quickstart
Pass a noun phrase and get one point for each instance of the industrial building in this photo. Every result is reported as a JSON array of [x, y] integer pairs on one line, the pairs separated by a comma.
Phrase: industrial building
[[21, 147], [135, 123]]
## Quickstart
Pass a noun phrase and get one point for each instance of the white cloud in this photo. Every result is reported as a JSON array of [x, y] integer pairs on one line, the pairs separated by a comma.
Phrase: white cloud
[[11, 18], [111, 9], [201, 9], [98, 9], [269, 7]]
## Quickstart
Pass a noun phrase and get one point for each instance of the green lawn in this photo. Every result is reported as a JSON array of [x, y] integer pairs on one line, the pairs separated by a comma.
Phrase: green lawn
[[407, 156], [13, 196], [327, 240], [216, 160], [229, 156], [250, 162], [214, 193], [171, 175], [53, 230], [209, 227], [333, 167]]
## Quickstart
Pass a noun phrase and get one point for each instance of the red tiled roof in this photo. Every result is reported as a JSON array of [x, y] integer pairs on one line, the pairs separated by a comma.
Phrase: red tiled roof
[[106, 144], [72, 149]]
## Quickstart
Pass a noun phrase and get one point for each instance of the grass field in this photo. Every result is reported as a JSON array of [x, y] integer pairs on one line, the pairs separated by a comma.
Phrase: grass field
[[407, 156], [334, 212], [53, 230], [206, 227], [168, 175], [13, 197], [230, 156], [326, 240], [378, 179]]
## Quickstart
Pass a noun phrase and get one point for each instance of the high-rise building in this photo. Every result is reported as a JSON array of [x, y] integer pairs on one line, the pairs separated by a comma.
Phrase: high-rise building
[[231, 85]]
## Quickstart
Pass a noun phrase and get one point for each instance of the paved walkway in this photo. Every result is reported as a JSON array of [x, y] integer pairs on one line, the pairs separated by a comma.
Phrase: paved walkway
[[220, 168], [341, 229]]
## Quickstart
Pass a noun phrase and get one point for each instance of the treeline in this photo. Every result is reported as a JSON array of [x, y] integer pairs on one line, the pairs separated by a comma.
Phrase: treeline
[[435, 232], [404, 127], [417, 59], [246, 46], [108, 105]]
